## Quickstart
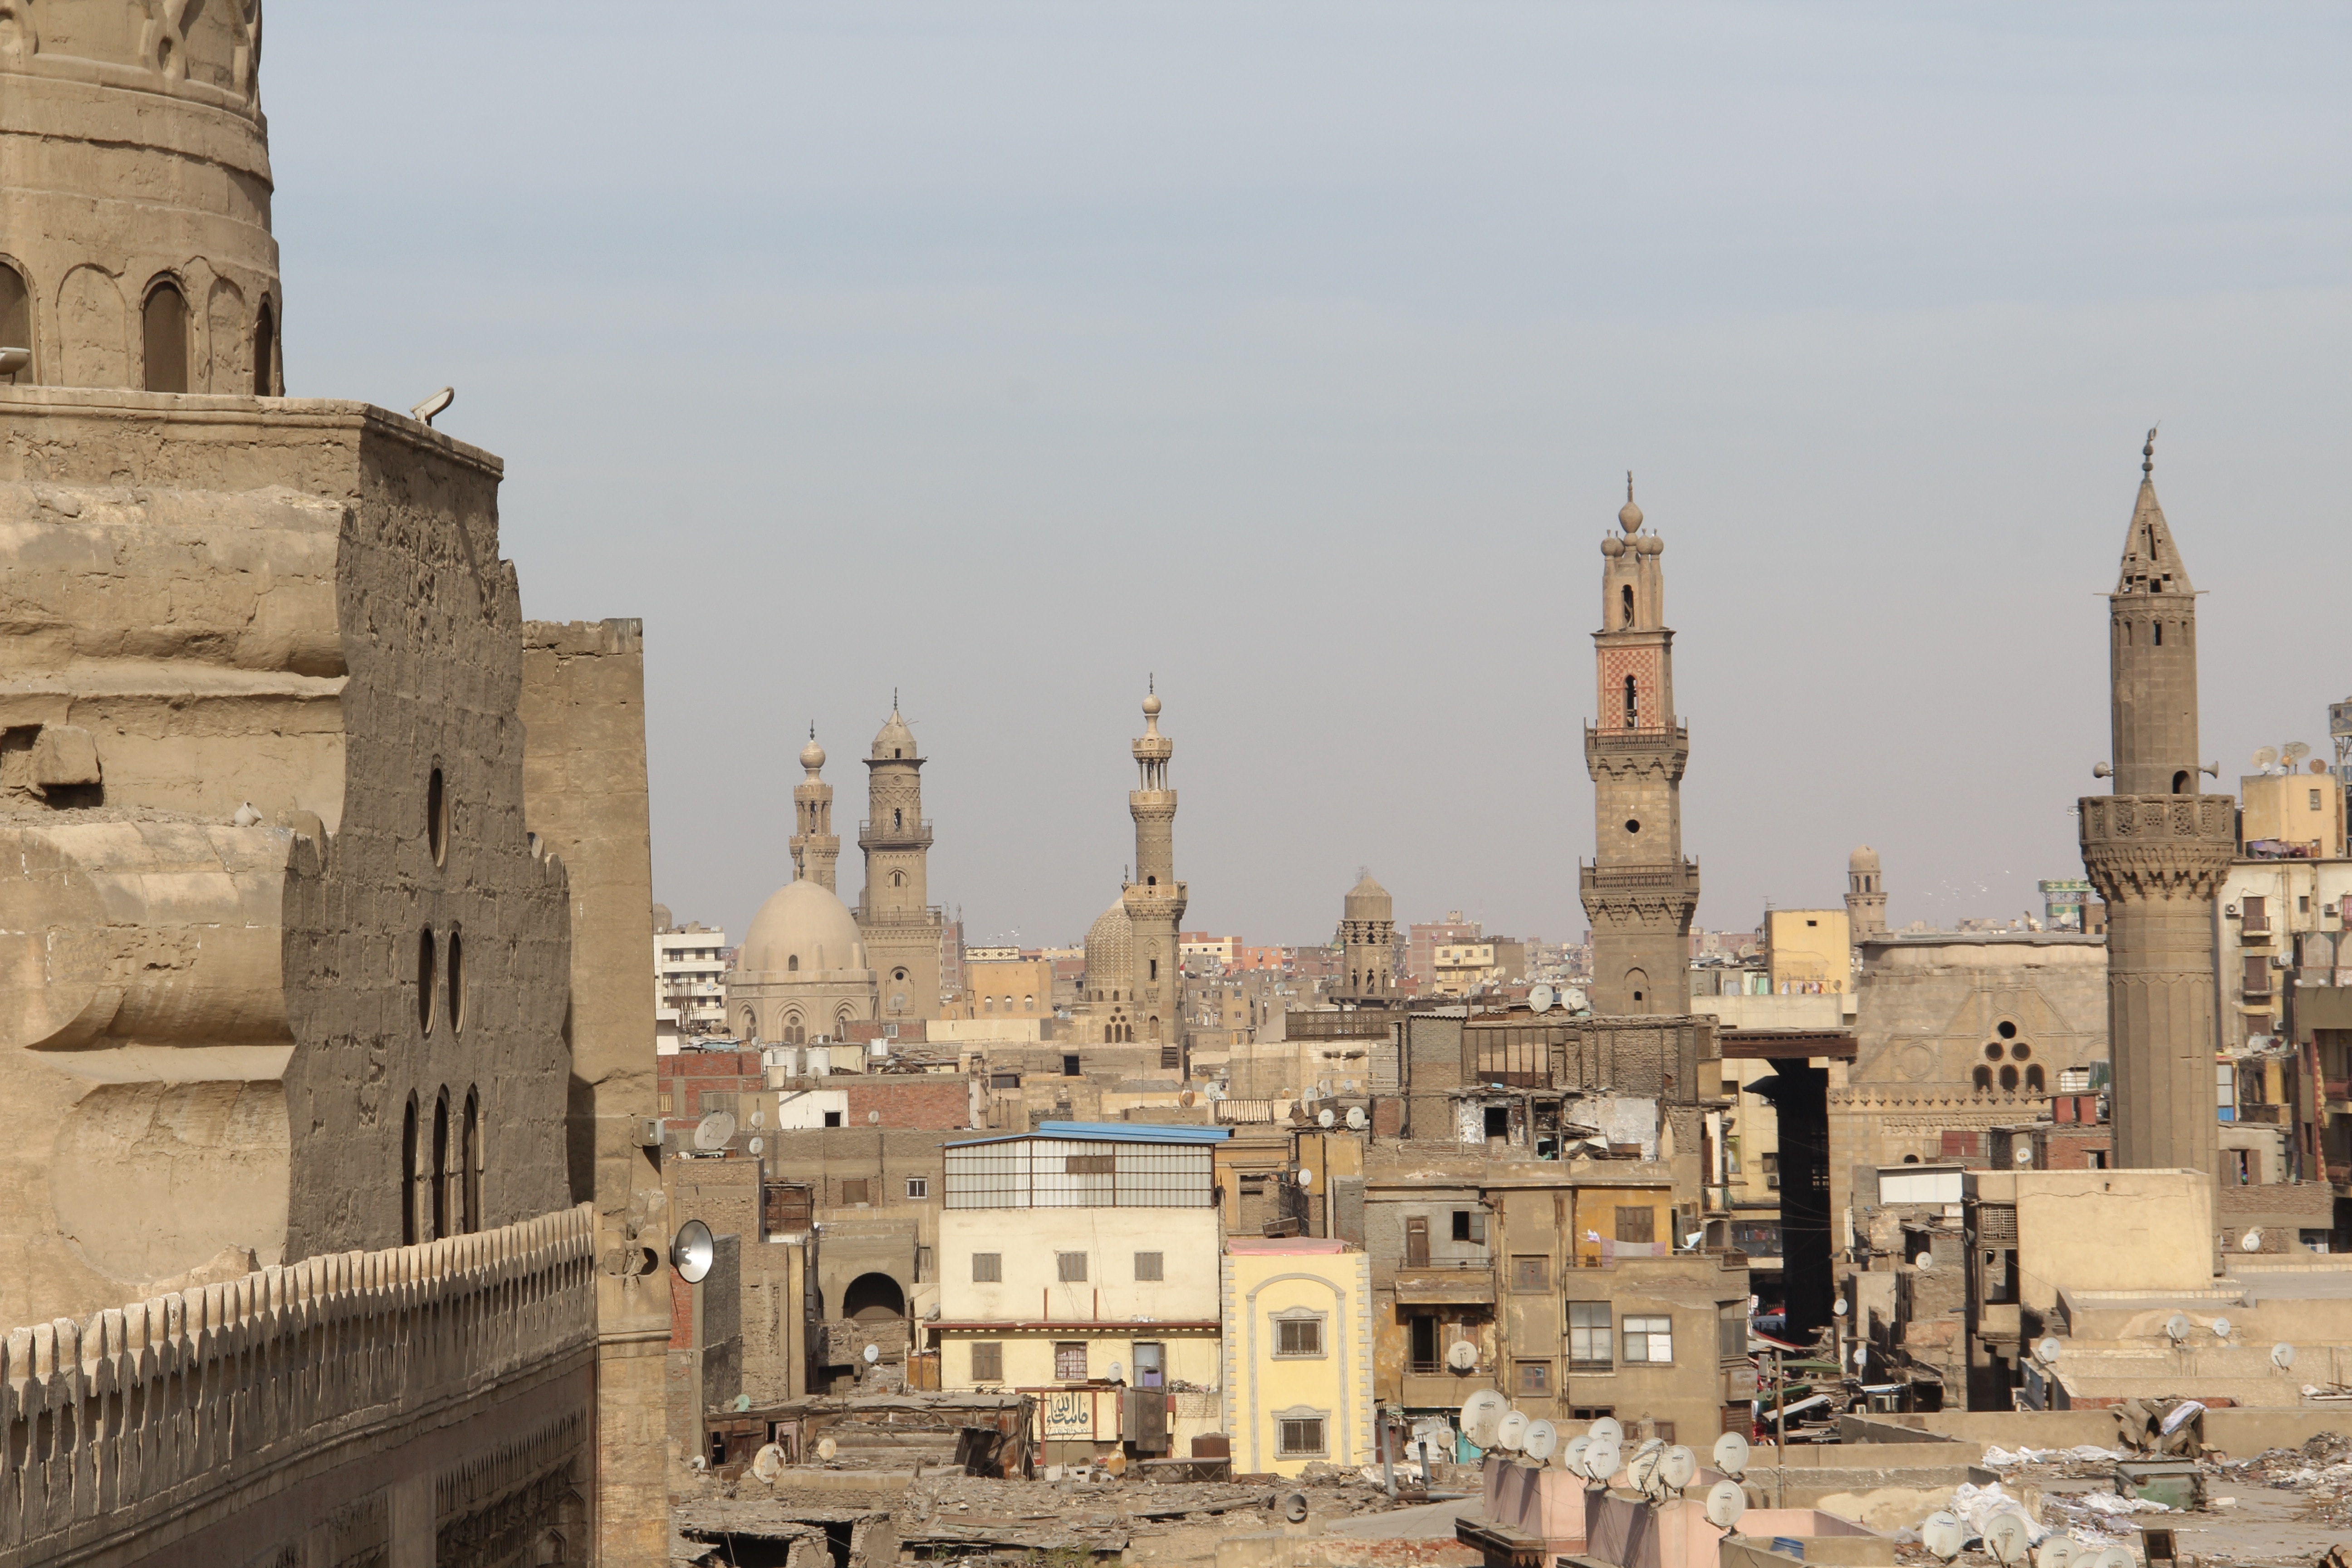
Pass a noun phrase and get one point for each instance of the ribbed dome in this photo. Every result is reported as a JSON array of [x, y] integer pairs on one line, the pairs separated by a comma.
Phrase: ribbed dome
[[1368, 900], [1864, 858], [895, 739], [1110, 948], [806, 922]]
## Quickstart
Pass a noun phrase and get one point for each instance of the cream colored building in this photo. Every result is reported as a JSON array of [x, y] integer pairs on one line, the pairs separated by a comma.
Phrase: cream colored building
[[1079, 1264], [1004, 988], [689, 969], [2304, 811], [1298, 1353], [1368, 940], [1809, 952], [1462, 967]]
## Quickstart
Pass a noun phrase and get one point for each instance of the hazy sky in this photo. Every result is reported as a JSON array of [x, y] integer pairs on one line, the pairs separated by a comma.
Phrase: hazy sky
[[1296, 353]]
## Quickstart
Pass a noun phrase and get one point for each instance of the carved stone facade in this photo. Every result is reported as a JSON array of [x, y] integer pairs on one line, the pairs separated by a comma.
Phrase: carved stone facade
[[2156, 850], [1368, 940], [1639, 891], [901, 927]]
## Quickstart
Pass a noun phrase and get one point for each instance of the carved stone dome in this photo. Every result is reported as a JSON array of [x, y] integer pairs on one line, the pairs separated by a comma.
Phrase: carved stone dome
[[1368, 900], [1110, 948]]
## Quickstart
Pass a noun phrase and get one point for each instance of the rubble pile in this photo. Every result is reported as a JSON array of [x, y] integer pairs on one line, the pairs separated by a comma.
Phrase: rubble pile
[[2320, 1472]]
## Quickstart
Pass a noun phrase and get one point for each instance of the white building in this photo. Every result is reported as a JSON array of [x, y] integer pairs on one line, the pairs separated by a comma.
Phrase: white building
[[689, 1000]]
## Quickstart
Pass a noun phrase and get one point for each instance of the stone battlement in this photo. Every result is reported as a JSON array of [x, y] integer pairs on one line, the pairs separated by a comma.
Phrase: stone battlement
[[142, 1422]]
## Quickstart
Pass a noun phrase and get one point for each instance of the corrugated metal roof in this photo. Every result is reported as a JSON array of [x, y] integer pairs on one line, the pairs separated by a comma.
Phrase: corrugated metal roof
[[1111, 1132]]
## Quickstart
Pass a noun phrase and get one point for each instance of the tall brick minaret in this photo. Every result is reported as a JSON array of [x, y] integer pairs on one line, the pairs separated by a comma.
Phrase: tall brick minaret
[[2155, 849], [1639, 891]]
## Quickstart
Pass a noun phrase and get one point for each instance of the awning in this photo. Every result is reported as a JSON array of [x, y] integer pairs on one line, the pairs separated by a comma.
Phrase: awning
[[1445, 1286]]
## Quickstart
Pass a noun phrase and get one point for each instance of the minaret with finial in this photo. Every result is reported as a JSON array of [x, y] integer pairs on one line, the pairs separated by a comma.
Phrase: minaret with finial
[[1154, 898], [2156, 849], [1639, 891], [816, 848], [901, 927]]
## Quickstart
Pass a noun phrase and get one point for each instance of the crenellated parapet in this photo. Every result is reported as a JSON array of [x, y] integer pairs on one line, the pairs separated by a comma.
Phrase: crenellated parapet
[[1634, 755]]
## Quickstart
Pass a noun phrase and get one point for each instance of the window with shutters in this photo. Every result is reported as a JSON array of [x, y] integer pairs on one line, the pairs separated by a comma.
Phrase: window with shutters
[[1151, 1266], [1299, 1437], [1532, 1273], [987, 1361], [1469, 1224], [1637, 1224], [2258, 974], [1171, 1057], [1416, 1241], [988, 1267], [1532, 1377], [1588, 1337], [1297, 1334], [1069, 1361], [2255, 919], [1731, 1334], [853, 1191], [1071, 1266], [1649, 1341]]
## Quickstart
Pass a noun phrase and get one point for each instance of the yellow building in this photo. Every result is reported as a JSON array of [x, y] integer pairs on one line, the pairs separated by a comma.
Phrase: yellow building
[[1297, 1314], [1462, 966], [1809, 952], [2303, 810], [1080, 1263], [1004, 988]]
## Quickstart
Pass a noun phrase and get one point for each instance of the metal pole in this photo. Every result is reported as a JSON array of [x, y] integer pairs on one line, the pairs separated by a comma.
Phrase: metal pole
[[1388, 1460], [1781, 1427]]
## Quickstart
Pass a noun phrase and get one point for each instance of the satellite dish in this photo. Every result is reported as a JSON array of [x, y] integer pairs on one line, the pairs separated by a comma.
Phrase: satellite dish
[[1943, 1535], [2025, 1156], [1480, 1411], [1324, 1118], [2055, 1552], [2176, 1328], [424, 412], [1926, 1260], [872, 1354], [1213, 1093], [1356, 1117], [2005, 1536], [1463, 1356], [2220, 1328], [1511, 1429], [759, 1118], [1837, 1308], [1679, 1467], [2293, 752], [1606, 1430], [1116, 1372], [826, 1448], [1540, 1441], [1306, 1177], [1726, 1501], [713, 1131], [1862, 1356], [2252, 1241], [1602, 1460], [1571, 1458], [873, 1118], [756, 1146], [691, 1251], [2266, 756], [2282, 1356], [2047, 1349], [1731, 1454], [768, 1463], [2112, 1557], [1641, 1470], [1541, 998]]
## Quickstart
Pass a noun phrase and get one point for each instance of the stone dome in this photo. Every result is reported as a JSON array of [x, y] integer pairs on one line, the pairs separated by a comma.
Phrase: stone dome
[[1612, 547], [1110, 949], [805, 921], [1650, 544], [1368, 900], [1629, 516], [894, 740], [1864, 858], [813, 754]]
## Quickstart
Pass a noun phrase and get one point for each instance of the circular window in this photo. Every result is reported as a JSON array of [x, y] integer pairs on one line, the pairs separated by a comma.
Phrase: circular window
[[1992, 1050], [1633, 825], [456, 979], [2020, 1050], [2006, 1030], [427, 962], [436, 817]]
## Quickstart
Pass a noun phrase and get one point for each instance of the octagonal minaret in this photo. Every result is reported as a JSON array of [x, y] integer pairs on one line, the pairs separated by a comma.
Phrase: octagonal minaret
[[816, 848], [1155, 898]]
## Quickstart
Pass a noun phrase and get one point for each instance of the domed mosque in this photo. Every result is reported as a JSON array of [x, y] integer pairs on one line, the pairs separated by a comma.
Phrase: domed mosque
[[803, 974]]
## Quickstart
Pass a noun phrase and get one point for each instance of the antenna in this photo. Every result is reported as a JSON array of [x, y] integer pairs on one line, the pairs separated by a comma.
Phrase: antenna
[[714, 1131]]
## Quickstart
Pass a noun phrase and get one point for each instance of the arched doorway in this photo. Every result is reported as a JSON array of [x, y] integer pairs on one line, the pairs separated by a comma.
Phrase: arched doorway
[[872, 1298]]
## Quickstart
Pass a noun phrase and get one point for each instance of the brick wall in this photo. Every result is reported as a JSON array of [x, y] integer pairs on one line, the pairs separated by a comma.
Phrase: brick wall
[[914, 1102]]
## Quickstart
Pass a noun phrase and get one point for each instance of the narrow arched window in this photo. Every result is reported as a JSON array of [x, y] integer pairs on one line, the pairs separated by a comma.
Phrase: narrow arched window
[[897, 817], [408, 1174], [2159, 634], [15, 321], [1630, 707], [440, 1167], [793, 964], [2034, 1081], [1628, 603], [2180, 782], [469, 1155], [265, 351], [166, 321], [1982, 1078]]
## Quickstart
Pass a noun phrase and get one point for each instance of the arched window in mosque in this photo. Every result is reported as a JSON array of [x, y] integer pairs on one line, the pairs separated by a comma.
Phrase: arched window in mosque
[[165, 325]]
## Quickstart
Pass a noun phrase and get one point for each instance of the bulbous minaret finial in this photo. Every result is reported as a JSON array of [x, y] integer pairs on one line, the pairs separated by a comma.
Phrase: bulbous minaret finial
[[2147, 453]]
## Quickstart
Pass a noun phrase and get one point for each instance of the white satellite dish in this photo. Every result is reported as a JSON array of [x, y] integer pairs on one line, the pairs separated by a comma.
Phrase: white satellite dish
[[1541, 998], [1641, 1470], [1679, 1467], [2266, 756], [2006, 1537], [1324, 1118], [2220, 1328], [1602, 1460], [1726, 1501], [1511, 1429], [872, 1354], [1606, 1430], [1540, 1441], [2022, 1157], [2293, 752], [2112, 1557], [2047, 1349], [1356, 1117], [2055, 1552], [691, 1251], [759, 1118], [2176, 1328], [1213, 1093], [756, 1146], [2282, 1356], [1480, 1411], [714, 1131], [768, 1463], [1306, 1177], [1116, 1372], [1862, 1356], [1926, 1260], [1463, 1356], [826, 1448], [1571, 1458], [1943, 1535], [1837, 1308], [2252, 1241], [1731, 1454]]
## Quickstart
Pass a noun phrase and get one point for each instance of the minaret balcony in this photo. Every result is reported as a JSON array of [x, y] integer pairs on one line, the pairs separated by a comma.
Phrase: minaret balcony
[[1656, 874], [911, 835], [1657, 736]]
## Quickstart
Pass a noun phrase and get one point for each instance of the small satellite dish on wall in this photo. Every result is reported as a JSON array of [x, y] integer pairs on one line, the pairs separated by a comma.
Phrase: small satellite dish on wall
[[756, 1146], [1943, 1535], [2046, 1350], [2282, 1356], [1606, 1430], [1511, 1430], [1572, 1458], [1306, 1176], [872, 1354], [2055, 1552], [1540, 1441], [1463, 1356], [691, 1251], [714, 1131], [1602, 1460], [2252, 1241], [1726, 1501], [2112, 1557], [2220, 1328], [1324, 1118], [1678, 1468], [1837, 1308], [2022, 1157], [2176, 1328], [1730, 1454], [2006, 1537], [1115, 1372], [1480, 1411], [1357, 1120], [1541, 998]]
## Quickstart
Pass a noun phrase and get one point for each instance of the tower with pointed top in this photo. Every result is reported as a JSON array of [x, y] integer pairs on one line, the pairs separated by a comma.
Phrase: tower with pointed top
[[1155, 898], [894, 914], [1639, 891], [2156, 849], [816, 848], [1368, 940]]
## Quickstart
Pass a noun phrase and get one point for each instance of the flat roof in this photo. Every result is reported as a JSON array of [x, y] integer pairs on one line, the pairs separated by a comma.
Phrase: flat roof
[[1113, 1132]]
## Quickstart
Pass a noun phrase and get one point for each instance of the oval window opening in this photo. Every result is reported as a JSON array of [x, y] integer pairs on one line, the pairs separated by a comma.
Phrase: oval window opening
[[427, 962], [436, 816], [456, 979]]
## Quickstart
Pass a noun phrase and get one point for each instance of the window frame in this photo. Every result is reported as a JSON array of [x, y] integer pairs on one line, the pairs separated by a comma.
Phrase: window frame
[[1542, 1373], [1647, 1325], [995, 1349], [1061, 1265], [1300, 1318], [1302, 1418], [1159, 1268], [988, 1268], [1606, 1328], [1064, 1350], [918, 1188], [1531, 1274]]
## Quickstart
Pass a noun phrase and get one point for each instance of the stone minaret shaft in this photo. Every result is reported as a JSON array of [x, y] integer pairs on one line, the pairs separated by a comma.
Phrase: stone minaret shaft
[[1367, 939], [1155, 900], [816, 848], [2156, 850], [1639, 891], [894, 914]]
